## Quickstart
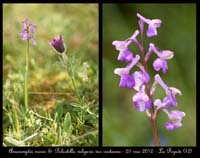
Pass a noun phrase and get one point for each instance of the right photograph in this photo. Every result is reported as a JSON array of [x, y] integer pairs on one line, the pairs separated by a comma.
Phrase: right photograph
[[149, 74]]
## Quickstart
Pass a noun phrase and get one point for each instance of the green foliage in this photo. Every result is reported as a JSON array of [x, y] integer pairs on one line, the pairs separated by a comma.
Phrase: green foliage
[[59, 112], [67, 122]]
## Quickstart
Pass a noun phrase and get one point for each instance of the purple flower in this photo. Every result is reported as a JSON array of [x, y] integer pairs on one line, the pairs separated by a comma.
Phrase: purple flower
[[164, 54], [160, 63], [153, 25], [140, 80], [58, 45], [170, 99], [140, 77], [126, 79], [175, 118], [27, 31], [141, 101], [125, 55], [122, 46]]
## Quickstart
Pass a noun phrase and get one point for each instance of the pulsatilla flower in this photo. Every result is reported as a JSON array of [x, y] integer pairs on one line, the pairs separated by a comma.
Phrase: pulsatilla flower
[[58, 45], [27, 31]]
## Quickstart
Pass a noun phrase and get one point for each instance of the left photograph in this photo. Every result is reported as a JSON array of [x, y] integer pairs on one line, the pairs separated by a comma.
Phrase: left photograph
[[50, 75]]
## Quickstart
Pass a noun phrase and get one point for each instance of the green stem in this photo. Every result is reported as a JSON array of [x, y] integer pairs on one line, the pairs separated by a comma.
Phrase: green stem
[[73, 80], [75, 89], [77, 94], [26, 78], [16, 121]]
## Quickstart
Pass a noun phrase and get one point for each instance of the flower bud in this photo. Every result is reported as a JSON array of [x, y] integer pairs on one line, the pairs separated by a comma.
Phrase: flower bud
[[58, 45]]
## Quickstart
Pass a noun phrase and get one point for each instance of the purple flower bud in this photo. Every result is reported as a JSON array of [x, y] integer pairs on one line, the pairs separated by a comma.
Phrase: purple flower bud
[[160, 63], [58, 45], [153, 25], [175, 118], [27, 31], [141, 101]]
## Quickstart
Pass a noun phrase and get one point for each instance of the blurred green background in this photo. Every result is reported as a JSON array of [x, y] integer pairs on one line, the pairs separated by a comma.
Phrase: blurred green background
[[122, 124]]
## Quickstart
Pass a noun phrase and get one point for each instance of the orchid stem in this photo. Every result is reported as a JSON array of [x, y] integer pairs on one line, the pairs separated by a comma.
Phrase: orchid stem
[[26, 78], [152, 118], [155, 131]]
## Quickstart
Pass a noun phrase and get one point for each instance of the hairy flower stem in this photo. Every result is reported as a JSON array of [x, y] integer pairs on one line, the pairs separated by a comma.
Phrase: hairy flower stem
[[72, 79], [77, 94], [152, 118], [26, 78], [75, 89]]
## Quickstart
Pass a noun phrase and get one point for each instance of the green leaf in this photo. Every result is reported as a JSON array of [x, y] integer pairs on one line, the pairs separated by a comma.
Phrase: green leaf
[[59, 111], [67, 122]]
